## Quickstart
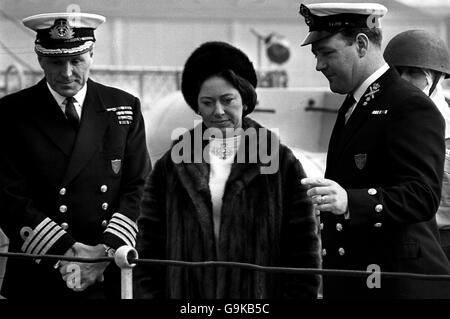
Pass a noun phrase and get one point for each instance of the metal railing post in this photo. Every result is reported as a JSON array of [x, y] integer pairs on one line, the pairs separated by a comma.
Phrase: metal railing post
[[126, 269]]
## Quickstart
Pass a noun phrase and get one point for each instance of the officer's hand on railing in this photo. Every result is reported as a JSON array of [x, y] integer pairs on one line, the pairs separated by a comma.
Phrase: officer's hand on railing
[[89, 273]]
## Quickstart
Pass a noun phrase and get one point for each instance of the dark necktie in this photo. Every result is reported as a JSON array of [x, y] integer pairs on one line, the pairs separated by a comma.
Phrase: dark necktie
[[338, 129], [340, 120], [71, 113], [348, 103]]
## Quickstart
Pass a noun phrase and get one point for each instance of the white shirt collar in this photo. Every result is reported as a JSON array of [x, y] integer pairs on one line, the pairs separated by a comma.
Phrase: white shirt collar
[[375, 76], [79, 97]]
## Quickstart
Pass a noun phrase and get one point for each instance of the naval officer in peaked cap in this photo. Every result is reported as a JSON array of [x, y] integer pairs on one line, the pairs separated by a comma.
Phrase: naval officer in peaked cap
[[384, 164], [73, 175]]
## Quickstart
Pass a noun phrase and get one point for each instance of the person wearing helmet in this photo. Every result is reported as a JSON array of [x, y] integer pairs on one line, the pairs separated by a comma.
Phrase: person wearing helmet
[[423, 59]]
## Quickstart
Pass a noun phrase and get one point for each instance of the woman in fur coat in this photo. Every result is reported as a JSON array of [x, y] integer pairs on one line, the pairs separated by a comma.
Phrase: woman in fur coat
[[226, 191]]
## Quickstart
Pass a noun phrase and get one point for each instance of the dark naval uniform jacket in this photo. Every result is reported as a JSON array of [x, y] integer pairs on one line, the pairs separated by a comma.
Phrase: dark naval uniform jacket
[[389, 158], [60, 186]]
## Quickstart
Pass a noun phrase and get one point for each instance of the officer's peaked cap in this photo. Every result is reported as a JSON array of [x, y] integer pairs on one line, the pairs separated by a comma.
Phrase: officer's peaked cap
[[64, 33], [327, 19]]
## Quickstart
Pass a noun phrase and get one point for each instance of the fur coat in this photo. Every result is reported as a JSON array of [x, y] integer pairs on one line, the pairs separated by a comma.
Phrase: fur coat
[[266, 219]]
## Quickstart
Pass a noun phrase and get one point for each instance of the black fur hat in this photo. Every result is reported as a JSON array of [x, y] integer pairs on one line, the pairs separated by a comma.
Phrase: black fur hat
[[212, 58]]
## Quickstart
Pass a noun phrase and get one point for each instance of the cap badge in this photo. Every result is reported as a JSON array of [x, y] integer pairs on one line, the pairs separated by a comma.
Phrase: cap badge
[[61, 30]]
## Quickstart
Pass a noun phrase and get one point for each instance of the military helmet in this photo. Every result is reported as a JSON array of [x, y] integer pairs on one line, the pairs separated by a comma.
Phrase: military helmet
[[420, 49]]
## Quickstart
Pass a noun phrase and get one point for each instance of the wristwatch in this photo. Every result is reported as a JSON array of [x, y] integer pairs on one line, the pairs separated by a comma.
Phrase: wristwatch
[[110, 252]]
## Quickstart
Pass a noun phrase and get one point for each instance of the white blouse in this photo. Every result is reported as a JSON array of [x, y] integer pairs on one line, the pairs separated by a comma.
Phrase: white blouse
[[221, 157]]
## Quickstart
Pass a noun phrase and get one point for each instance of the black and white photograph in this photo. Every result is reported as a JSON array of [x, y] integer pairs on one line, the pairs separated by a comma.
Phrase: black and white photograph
[[225, 158]]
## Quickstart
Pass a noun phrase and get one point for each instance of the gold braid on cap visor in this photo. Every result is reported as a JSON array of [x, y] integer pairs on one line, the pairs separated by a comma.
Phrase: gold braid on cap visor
[[40, 49]]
